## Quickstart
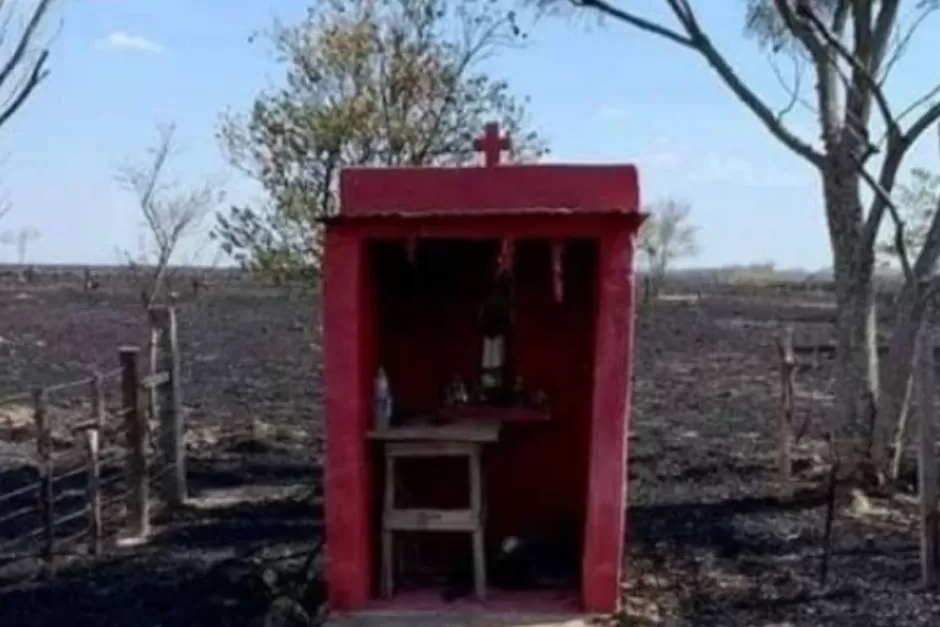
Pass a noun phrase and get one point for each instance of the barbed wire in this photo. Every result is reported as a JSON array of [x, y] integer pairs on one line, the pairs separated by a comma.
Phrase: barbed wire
[[59, 387], [70, 517], [113, 458], [27, 395], [103, 483], [18, 513], [20, 491], [68, 459], [108, 503], [119, 412], [20, 538], [15, 397], [118, 498]]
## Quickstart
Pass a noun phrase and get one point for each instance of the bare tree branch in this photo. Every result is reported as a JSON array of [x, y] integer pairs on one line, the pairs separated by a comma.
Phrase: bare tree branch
[[827, 68], [170, 213], [792, 88], [884, 196], [19, 58], [926, 263], [895, 154], [905, 39], [637, 21], [930, 95], [861, 73], [695, 38], [920, 272]]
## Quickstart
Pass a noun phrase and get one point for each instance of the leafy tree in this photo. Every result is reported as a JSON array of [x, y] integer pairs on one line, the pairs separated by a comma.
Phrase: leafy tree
[[918, 206], [917, 201], [368, 82], [851, 48], [666, 236]]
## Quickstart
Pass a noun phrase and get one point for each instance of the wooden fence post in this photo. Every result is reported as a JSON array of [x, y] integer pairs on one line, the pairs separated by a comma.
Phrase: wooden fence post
[[170, 404], [93, 491], [785, 417], [98, 410], [46, 495], [136, 434], [928, 465], [153, 400]]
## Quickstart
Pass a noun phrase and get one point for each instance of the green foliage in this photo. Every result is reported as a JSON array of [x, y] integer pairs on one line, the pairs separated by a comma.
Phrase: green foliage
[[368, 82], [762, 21], [918, 200]]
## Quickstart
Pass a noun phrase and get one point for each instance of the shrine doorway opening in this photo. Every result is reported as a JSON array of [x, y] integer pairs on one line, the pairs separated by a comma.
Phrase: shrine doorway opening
[[430, 299]]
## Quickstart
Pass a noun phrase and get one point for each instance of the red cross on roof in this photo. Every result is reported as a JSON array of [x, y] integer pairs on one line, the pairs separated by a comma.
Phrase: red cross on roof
[[491, 144]]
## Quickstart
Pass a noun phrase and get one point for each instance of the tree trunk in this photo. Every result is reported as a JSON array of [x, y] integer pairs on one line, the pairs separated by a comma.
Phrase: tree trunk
[[857, 380], [856, 376], [894, 404]]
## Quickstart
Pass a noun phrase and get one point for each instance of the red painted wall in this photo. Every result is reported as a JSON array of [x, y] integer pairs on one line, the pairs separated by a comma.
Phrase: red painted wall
[[353, 341]]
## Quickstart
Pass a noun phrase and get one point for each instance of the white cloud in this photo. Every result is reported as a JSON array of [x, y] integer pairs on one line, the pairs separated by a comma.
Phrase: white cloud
[[121, 40], [611, 113], [676, 160], [661, 155]]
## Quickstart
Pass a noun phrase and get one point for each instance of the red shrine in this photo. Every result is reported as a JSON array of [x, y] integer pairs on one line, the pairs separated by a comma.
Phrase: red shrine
[[494, 305]]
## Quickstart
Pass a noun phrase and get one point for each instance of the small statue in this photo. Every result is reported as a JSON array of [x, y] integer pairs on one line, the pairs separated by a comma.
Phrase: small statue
[[496, 319], [518, 391], [456, 392], [539, 399], [461, 397]]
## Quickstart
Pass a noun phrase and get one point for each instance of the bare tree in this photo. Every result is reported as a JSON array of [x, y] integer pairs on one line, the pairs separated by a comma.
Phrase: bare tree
[[171, 212], [666, 236], [24, 64], [24, 61], [25, 235], [851, 46]]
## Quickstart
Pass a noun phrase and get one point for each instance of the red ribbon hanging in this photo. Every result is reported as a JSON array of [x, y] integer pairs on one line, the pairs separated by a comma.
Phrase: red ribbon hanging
[[558, 271], [506, 253], [411, 249]]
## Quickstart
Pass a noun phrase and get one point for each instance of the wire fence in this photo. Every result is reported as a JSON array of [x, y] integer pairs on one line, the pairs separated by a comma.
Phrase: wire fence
[[81, 462]]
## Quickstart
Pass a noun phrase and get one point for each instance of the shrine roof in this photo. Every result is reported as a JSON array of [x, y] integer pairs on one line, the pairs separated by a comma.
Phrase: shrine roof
[[440, 192]]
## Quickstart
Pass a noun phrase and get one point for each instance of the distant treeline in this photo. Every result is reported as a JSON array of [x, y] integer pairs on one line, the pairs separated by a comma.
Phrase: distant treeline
[[110, 274], [752, 276]]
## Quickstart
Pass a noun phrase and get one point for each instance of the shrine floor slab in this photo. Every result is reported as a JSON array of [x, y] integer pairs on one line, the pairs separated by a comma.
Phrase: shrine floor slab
[[502, 609], [457, 619]]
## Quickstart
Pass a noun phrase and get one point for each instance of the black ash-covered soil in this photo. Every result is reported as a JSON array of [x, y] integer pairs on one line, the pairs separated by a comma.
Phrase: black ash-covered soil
[[710, 541]]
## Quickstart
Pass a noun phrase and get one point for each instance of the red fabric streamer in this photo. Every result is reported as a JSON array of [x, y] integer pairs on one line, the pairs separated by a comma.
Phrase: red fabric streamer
[[507, 251], [558, 271]]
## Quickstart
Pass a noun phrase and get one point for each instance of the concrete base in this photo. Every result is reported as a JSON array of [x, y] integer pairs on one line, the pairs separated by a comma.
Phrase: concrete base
[[403, 618]]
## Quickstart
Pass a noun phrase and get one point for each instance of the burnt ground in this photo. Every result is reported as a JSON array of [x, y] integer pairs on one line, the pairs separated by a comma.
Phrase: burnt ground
[[709, 541]]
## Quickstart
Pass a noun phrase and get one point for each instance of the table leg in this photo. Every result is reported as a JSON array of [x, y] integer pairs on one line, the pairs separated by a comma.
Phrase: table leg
[[476, 504]]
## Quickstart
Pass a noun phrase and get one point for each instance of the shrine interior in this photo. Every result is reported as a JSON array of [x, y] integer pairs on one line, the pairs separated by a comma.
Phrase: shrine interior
[[429, 297]]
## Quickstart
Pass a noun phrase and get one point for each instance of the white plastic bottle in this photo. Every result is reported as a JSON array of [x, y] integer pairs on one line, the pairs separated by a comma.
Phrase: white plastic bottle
[[382, 400]]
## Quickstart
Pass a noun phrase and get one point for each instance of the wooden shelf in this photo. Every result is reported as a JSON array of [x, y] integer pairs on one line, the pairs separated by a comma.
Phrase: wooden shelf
[[431, 520], [493, 413], [449, 433]]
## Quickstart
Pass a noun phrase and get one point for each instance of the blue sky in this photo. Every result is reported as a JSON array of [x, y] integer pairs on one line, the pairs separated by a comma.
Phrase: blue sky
[[600, 93]]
